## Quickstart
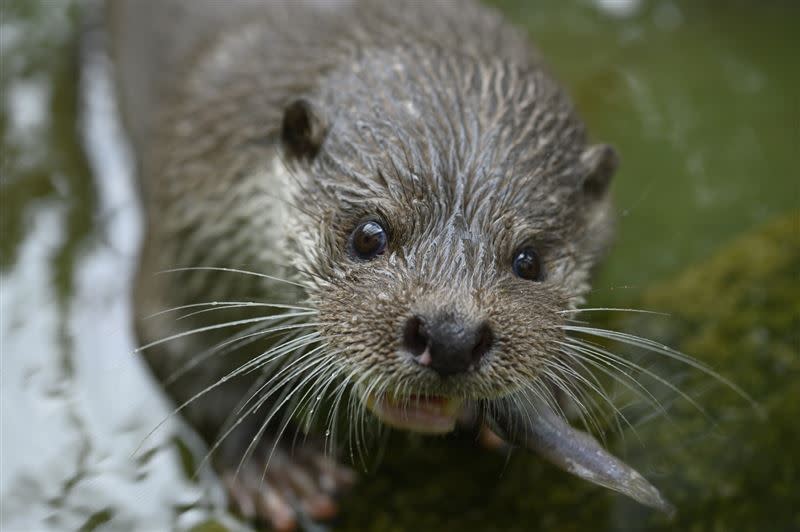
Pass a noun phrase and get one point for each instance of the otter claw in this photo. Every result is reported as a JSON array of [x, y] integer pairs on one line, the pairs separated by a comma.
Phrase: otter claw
[[576, 452]]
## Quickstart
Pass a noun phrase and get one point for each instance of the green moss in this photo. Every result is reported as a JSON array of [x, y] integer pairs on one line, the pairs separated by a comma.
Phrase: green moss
[[451, 484], [740, 314]]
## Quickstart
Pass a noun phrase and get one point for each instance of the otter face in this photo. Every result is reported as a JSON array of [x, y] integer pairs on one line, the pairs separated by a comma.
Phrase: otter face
[[449, 227]]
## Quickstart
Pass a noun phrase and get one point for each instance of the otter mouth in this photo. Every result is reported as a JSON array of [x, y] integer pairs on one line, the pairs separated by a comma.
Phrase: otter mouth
[[425, 414]]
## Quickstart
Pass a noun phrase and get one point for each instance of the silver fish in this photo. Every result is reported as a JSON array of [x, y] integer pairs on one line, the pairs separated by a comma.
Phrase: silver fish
[[549, 435]]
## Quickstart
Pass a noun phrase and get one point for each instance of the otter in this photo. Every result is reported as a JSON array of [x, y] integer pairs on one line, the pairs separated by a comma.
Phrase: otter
[[359, 210]]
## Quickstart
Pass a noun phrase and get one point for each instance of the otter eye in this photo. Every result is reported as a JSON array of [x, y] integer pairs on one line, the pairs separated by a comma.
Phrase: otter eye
[[368, 240], [527, 265]]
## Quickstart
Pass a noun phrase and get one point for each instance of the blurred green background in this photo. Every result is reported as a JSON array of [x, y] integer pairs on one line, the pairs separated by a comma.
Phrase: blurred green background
[[702, 100]]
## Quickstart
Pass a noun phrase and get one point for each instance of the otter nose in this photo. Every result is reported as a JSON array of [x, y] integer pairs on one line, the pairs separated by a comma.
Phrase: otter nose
[[446, 343]]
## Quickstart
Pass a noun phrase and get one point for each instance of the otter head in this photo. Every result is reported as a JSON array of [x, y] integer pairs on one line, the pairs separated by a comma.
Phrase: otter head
[[448, 214]]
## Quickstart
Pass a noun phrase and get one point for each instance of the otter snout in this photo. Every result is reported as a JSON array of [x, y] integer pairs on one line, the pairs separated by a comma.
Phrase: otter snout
[[446, 343]]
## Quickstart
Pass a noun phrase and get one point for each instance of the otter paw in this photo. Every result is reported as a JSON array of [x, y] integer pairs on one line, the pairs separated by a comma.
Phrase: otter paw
[[489, 439], [472, 423], [294, 487]]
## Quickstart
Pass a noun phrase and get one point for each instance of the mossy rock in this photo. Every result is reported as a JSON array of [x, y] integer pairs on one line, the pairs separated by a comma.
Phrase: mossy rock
[[733, 466], [737, 468]]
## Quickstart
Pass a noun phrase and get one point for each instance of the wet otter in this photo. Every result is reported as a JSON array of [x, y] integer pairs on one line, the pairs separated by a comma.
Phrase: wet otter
[[403, 195]]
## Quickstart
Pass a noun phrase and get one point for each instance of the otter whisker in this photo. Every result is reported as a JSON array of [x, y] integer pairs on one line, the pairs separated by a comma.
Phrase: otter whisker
[[312, 403], [323, 367], [331, 419], [233, 270], [269, 375], [239, 340], [587, 373], [604, 355], [333, 413], [245, 339], [567, 384], [193, 398], [588, 414], [319, 374], [295, 368], [611, 309], [295, 365], [218, 308], [518, 402], [385, 383], [217, 326], [313, 377], [321, 393], [235, 414], [550, 399], [354, 383], [367, 392], [233, 303], [261, 360], [655, 347], [293, 372], [676, 379], [354, 413], [551, 383], [360, 413], [578, 353], [294, 344], [615, 410]]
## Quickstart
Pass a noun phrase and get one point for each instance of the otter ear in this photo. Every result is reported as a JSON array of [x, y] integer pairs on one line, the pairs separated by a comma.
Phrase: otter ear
[[303, 129], [599, 163]]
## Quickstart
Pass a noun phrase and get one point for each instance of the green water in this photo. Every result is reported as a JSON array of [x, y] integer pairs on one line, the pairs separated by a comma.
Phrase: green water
[[700, 98]]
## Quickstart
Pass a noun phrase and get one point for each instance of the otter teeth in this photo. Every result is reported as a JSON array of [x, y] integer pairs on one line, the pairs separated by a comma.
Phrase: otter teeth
[[424, 414]]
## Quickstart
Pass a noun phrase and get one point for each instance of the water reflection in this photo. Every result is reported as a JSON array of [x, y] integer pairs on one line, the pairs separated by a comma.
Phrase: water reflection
[[77, 404]]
